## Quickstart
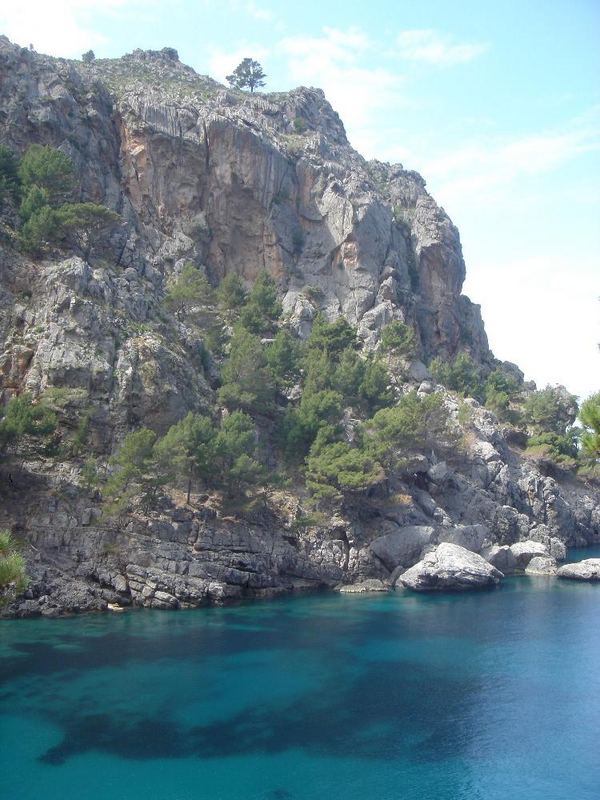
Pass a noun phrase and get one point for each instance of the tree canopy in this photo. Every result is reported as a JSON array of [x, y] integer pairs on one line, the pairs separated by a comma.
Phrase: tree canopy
[[247, 75]]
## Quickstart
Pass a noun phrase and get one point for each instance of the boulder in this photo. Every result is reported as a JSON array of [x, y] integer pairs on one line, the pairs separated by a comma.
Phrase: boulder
[[587, 570], [525, 551], [555, 546], [471, 537], [541, 565], [558, 549], [450, 568], [402, 546], [501, 557]]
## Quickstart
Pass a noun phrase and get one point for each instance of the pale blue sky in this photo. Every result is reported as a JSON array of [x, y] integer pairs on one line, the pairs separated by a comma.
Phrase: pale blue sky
[[497, 105]]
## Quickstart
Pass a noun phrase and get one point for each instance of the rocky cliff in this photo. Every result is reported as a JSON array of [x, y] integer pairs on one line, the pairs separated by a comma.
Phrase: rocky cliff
[[238, 183]]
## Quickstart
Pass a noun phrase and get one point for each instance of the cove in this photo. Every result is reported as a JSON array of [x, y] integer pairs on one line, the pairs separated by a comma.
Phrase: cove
[[487, 695]]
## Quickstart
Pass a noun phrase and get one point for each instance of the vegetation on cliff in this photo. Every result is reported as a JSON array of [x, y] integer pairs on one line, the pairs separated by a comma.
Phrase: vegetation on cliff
[[43, 185]]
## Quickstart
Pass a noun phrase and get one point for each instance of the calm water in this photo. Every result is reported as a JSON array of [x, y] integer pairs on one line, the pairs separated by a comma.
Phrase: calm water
[[490, 695]]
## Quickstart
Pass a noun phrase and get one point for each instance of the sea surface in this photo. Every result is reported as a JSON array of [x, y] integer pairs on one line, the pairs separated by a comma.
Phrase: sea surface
[[492, 695]]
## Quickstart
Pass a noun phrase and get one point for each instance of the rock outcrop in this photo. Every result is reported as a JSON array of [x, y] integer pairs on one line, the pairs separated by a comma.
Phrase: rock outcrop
[[586, 570], [450, 568]]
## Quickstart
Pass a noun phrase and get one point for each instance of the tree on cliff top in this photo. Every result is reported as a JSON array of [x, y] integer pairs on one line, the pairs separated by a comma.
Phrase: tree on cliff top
[[247, 75]]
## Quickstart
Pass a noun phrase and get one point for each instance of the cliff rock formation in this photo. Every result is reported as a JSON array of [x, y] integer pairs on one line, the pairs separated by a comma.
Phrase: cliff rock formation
[[232, 183]]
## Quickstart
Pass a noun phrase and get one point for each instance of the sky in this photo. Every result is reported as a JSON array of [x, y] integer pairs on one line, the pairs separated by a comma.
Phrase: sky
[[497, 105]]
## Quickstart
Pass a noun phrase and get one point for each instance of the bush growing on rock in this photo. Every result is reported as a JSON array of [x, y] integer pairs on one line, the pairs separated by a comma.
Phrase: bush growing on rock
[[190, 289], [22, 417], [417, 424], [247, 380], [302, 424], [13, 577], [231, 293], [48, 215], [460, 375], [9, 175], [335, 468], [374, 390], [188, 450], [137, 472], [283, 357], [262, 309], [499, 389], [551, 409], [589, 416], [235, 449], [48, 169], [560, 449], [549, 415], [399, 339]]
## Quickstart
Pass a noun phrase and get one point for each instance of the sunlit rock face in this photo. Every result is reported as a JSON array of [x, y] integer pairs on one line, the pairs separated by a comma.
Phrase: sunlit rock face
[[241, 183], [237, 183]]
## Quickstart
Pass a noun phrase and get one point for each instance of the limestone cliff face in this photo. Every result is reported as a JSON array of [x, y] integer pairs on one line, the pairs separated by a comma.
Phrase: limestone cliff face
[[234, 183], [240, 183]]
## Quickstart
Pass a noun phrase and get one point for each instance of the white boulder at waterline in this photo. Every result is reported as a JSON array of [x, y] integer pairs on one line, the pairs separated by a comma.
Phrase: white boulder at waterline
[[450, 567], [586, 570]]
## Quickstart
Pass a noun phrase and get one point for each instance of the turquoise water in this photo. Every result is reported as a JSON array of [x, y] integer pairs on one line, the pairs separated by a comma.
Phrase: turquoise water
[[492, 695]]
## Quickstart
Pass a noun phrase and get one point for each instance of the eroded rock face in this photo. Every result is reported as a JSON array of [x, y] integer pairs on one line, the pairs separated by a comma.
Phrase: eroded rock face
[[225, 180], [450, 567], [586, 570]]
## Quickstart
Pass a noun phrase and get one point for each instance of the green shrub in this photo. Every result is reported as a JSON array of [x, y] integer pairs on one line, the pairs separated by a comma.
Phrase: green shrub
[[262, 308], [559, 448], [300, 124], [247, 380], [417, 424], [231, 293], [400, 339], [499, 389], [189, 289], [136, 472], [188, 450], [302, 424], [13, 577], [460, 375], [550, 410], [283, 357], [9, 175], [589, 417], [335, 468], [22, 417], [50, 170]]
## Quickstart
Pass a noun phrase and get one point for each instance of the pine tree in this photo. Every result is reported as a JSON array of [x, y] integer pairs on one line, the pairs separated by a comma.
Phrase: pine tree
[[247, 75]]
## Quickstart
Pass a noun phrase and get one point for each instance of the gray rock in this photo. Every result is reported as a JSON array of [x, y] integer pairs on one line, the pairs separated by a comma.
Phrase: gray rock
[[471, 537], [450, 567], [558, 549], [525, 551], [438, 472], [587, 570], [501, 557], [541, 565], [402, 546]]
